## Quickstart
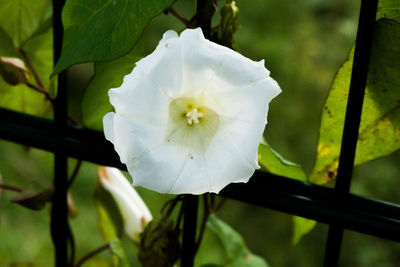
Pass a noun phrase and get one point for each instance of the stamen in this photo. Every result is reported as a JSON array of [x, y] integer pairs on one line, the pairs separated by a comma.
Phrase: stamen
[[193, 116]]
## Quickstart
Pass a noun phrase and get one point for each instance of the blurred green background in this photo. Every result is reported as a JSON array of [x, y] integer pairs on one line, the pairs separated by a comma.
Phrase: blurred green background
[[303, 44]]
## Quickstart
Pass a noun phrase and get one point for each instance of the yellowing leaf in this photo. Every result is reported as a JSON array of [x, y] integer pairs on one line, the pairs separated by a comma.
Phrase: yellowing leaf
[[237, 253], [379, 133]]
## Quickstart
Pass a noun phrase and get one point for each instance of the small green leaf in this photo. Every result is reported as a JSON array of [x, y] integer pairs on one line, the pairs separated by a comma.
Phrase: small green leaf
[[302, 226], [238, 255], [117, 249], [95, 102], [272, 162], [109, 219], [104, 30], [380, 121], [21, 19]]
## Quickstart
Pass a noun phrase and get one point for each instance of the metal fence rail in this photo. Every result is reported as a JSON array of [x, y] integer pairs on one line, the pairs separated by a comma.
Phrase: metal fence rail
[[336, 207]]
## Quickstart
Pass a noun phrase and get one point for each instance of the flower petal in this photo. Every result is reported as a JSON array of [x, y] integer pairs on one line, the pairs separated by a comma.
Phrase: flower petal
[[226, 165], [108, 125], [159, 168], [128, 99], [249, 103], [217, 68], [164, 65], [133, 138]]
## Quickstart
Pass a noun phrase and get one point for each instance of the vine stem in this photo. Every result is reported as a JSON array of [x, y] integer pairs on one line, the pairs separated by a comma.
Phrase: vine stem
[[32, 69], [177, 15], [92, 254], [74, 173], [40, 90], [206, 214], [10, 188]]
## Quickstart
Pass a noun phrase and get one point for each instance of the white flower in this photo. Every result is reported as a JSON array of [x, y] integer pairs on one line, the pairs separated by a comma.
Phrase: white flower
[[133, 210], [190, 116]]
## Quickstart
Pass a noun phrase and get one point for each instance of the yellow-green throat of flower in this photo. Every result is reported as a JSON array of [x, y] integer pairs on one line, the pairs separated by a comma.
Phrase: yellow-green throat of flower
[[191, 123]]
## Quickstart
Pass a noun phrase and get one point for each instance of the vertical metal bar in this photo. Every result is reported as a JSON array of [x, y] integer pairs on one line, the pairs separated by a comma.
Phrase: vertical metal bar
[[59, 210], [352, 121], [204, 12], [190, 207]]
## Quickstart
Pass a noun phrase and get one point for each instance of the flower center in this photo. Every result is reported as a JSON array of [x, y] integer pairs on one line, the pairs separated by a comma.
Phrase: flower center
[[193, 116], [191, 123]]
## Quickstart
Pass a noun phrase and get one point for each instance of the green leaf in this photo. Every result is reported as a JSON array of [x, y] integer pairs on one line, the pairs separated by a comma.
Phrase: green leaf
[[272, 162], [104, 30], [7, 48], [109, 219], [21, 19], [22, 98], [380, 121], [95, 102], [117, 249], [302, 226], [237, 253], [389, 9]]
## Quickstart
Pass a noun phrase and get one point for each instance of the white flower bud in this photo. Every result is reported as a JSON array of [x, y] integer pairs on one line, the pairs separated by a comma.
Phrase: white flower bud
[[133, 210]]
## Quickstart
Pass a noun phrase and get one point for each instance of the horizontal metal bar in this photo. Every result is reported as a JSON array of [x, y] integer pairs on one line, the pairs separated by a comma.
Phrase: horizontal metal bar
[[320, 203]]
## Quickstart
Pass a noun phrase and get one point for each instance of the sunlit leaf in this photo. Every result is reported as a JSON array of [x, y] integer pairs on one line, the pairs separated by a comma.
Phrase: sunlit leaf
[[237, 253], [104, 30], [20, 97], [389, 9], [379, 133], [272, 162], [95, 102], [22, 18]]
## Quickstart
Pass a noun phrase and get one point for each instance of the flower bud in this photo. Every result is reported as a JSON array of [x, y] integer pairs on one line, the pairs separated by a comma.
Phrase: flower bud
[[133, 210]]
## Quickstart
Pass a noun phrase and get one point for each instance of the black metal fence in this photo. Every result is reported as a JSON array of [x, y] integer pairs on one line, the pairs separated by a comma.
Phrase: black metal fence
[[336, 207]]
